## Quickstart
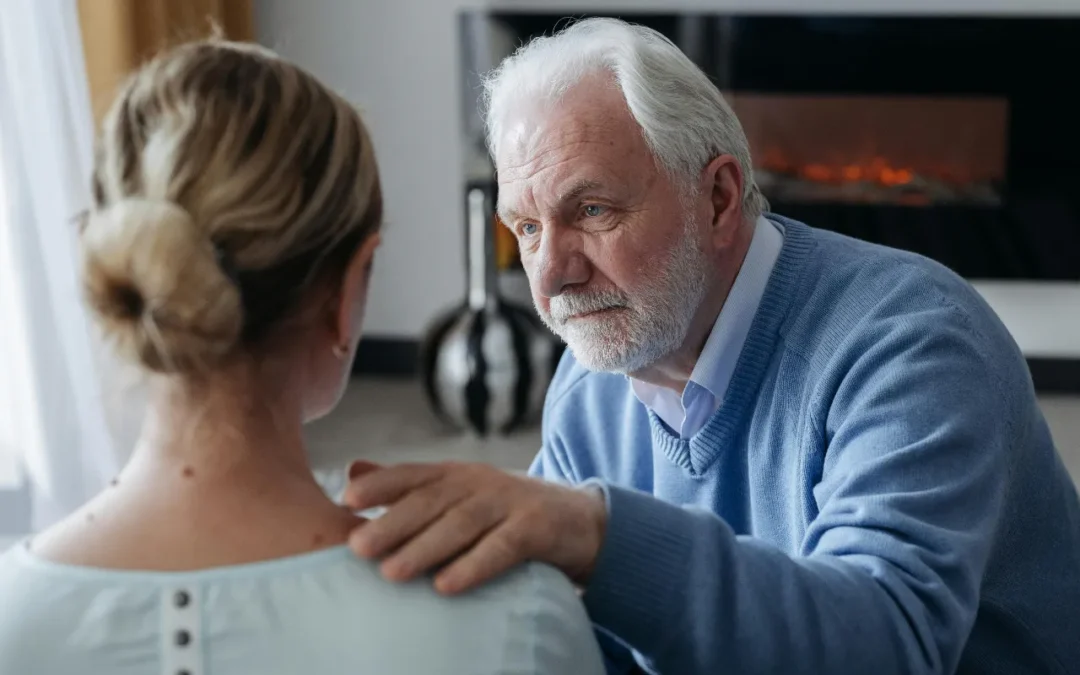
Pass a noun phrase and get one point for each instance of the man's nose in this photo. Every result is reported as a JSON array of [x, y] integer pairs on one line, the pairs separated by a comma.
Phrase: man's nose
[[560, 262]]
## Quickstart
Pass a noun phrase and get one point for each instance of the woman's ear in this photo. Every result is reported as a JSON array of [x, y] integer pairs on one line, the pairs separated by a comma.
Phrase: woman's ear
[[352, 297]]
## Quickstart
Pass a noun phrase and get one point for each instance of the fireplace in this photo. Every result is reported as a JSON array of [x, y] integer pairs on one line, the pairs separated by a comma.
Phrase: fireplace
[[950, 136], [899, 150], [953, 137]]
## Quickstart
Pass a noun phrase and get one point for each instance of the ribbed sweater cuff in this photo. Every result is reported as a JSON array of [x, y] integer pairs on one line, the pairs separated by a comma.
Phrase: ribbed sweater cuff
[[638, 586]]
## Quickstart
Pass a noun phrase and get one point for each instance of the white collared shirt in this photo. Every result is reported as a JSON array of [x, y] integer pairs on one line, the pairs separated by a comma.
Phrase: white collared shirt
[[708, 383]]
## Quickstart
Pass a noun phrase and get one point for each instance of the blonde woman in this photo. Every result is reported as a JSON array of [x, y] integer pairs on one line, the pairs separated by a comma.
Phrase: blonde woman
[[237, 213]]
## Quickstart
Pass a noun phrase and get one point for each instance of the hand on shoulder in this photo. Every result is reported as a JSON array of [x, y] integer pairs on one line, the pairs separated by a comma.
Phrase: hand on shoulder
[[472, 521]]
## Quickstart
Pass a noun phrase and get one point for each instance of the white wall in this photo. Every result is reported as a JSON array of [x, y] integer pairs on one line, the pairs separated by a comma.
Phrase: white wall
[[398, 60]]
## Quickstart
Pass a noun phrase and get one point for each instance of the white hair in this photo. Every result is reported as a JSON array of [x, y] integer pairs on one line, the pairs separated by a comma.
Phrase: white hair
[[684, 119]]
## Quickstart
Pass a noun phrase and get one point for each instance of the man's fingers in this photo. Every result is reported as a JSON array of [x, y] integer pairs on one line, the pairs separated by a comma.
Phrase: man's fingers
[[405, 518], [473, 519], [360, 467], [447, 537], [497, 552], [386, 486]]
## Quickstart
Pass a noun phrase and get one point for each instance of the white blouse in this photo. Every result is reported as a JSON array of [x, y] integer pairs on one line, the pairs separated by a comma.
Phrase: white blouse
[[319, 613]]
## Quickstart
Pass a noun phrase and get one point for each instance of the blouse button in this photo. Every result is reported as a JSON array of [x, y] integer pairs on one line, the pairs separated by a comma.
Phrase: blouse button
[[182, 599], [183, 638]]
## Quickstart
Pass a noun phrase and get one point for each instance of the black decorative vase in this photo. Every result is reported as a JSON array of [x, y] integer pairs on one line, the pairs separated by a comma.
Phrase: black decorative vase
[[487, 363]]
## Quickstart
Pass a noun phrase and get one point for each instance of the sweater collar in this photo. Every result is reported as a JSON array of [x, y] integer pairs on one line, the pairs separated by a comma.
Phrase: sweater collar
[[708, 383], [698, 452]]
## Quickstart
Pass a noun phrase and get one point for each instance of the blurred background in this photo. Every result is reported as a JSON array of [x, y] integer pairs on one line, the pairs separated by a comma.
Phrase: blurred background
[[939, 126]]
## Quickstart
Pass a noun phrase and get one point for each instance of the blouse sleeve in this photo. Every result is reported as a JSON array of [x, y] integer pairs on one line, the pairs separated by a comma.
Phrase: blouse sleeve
[[550, 633]]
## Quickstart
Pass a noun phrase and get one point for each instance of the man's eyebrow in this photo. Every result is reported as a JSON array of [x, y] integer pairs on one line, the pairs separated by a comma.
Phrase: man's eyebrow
[[508, 215], [579, 188]]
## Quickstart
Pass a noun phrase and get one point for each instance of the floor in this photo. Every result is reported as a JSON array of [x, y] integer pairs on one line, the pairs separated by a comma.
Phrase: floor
[[388, 421]]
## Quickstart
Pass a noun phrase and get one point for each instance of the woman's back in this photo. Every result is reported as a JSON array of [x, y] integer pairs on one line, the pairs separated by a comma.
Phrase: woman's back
[[227, 253], [319, 613]]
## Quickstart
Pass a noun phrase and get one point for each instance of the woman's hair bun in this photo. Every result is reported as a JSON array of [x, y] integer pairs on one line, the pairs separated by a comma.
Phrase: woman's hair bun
[[156, 282]]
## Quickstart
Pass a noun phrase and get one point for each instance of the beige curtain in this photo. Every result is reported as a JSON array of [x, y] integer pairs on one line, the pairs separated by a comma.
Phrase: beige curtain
[[118, 35]]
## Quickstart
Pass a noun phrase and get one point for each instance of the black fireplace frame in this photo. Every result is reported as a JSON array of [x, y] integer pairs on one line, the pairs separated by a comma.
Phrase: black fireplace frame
[[1034, 235]]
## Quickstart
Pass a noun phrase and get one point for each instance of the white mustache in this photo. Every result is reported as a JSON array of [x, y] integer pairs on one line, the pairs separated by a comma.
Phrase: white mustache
[[562, 307]]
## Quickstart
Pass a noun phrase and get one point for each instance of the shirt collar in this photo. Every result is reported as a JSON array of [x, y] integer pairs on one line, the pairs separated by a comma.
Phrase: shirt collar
[[716, 364]]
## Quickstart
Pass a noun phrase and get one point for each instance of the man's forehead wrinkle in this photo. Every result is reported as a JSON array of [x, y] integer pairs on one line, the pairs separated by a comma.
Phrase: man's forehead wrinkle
[[564, 177], [524, 196], [546, 158], [534, 158]]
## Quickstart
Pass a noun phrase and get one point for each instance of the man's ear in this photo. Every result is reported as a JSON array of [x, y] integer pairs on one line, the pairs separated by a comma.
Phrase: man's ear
[[352, 295], [723, 180]]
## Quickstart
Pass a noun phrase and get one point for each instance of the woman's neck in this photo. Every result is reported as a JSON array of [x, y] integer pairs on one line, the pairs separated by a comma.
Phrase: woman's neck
[[219, 428], [219, 476]]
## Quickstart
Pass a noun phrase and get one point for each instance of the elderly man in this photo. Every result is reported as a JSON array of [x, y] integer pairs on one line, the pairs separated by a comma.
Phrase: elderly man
[[789, 451]]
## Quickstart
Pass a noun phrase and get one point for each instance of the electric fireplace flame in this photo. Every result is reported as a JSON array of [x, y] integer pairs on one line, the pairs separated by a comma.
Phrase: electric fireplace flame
[[877, 170], [916, 151]]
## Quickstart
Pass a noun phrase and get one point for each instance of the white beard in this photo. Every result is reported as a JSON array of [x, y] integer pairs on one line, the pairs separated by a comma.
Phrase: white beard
[[649, 324]]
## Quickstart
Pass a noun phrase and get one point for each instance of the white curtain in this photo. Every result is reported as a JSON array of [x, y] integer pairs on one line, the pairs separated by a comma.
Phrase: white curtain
[[53, 411]]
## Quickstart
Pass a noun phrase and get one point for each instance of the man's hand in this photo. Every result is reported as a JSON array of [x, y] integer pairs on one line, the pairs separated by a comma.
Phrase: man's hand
[[476, 520]]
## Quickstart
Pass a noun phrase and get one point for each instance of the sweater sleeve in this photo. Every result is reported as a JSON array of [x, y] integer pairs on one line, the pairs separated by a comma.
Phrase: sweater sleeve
[[916, 433]]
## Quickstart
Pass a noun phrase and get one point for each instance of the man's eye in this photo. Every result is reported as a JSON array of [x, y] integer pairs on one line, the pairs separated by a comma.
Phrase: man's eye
[[593, 210], [528, 229]]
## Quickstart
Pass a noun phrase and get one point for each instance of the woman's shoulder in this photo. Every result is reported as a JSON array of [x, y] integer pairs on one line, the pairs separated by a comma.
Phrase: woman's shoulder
[[548, 630], [530, 621], [529, 598], [306, 613]]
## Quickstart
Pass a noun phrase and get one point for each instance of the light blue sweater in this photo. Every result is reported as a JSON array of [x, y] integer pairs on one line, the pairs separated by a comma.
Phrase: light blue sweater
[[879, 492]]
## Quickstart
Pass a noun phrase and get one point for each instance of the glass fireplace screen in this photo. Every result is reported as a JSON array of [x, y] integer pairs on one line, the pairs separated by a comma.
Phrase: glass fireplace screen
[[887, 150]]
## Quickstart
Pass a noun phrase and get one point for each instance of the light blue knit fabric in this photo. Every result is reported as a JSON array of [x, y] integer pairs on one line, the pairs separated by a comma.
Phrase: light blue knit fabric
[[878, 494]]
